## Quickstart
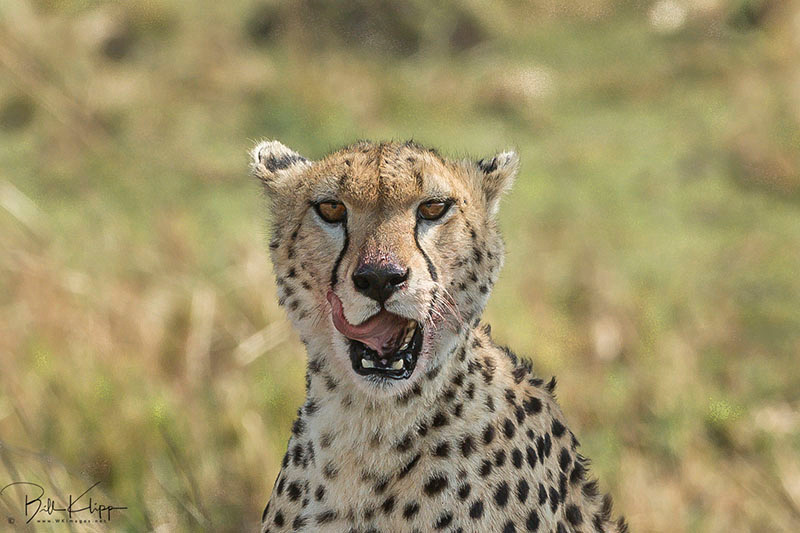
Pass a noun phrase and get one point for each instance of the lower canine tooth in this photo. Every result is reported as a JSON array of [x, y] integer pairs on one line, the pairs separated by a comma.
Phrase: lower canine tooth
[[397, 365], [367, 364]]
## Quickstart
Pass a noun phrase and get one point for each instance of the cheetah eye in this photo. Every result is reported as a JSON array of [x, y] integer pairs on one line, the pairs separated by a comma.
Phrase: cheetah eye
[[331, 211], [433, 209]]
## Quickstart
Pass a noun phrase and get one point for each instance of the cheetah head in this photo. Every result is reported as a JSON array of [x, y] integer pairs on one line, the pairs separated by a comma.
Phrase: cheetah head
[[384, 254]]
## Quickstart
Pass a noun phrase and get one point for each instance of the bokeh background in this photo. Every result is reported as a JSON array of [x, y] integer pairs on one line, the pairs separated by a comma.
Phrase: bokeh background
[[653, 235]]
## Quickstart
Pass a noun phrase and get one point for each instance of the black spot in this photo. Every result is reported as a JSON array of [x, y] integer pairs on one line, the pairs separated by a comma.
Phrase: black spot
[[444, 520], [467, 446], [326, 440], [381, 485], [522, 490], [590, 490], [294, 491], [531, 456], [532, 523], [501, 494], [553, 499], [558, 428], [435, 484], [516, 458], [298, 427], [464, 490], [411, 509], [329, 471], [578, 472], [299, 522], [573, 515], [488, 370], [499, 458], [509, 527], [388, 505], [311, 407], [490, 403], [319, 494], [540, 448], [314, 365], [326, 516], [532, 405], [442, 449], [476, 510], [279, 520], [560, 528], [405, 444], [488, 434], [508, 428], [297, 454], [486, 468], [564, 459], [439, 420]]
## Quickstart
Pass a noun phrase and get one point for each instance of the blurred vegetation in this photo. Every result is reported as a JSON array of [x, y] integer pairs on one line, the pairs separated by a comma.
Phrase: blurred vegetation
[[653, 236]]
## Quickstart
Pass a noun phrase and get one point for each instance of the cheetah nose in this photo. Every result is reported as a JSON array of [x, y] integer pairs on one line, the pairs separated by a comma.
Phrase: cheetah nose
[[379, 282]]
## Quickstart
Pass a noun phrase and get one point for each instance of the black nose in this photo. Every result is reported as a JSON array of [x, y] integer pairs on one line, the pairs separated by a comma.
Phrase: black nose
[[379, 281]]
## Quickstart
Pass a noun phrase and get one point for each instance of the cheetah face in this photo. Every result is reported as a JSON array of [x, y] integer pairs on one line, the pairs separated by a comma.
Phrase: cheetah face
[[384, 254]]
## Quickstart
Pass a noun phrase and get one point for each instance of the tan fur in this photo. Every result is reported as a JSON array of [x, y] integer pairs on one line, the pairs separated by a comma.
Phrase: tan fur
[[378, 448]]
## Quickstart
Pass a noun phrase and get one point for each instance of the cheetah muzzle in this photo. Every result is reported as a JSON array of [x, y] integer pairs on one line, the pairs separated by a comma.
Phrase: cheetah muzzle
[[414, 419], [386, 345]]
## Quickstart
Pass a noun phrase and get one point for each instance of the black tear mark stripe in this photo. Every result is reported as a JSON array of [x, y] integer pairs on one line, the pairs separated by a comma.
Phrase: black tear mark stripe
[[335, 272], [431, 268]]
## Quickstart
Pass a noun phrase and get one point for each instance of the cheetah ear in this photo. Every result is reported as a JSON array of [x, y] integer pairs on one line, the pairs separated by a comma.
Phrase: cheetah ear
[[274, 165], [497, 177]]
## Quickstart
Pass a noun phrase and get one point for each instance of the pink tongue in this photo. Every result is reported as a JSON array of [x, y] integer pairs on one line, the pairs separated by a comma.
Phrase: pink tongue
[[378, 332]]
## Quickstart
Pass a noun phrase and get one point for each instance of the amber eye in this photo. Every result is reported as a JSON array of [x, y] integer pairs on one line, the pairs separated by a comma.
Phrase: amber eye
[[331, 211], [433, 209]]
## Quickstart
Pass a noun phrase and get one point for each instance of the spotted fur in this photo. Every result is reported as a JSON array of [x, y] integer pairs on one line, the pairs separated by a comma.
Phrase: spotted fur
[[473, 441]]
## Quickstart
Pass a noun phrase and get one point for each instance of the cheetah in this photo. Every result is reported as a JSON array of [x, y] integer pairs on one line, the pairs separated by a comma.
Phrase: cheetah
[[415, 420]]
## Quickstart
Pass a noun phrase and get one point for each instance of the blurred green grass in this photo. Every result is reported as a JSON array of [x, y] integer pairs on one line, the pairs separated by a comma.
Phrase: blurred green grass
[[653, 235]]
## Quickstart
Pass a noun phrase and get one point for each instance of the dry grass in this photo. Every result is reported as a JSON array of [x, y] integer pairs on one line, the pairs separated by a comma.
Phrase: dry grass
[[653, 236]]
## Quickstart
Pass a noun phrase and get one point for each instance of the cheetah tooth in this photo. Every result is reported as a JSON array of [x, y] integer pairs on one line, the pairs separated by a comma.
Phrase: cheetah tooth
[[397, 365], [408, 337], [365, 363]]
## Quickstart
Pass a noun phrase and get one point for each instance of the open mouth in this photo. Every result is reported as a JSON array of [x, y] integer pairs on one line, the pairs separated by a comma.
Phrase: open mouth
[[385, 345], [397, 363]]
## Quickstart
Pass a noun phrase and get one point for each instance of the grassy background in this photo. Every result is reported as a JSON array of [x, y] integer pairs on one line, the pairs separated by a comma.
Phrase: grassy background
[[653, 235]]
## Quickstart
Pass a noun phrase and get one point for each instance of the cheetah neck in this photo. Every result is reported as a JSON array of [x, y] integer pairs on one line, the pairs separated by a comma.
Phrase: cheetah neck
[[347, 422]]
